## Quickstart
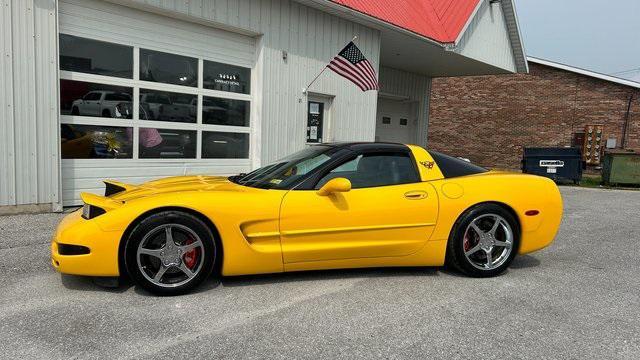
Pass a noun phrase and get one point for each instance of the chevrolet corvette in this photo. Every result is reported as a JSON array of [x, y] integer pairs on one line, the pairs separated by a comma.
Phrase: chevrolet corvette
[[328, 206]]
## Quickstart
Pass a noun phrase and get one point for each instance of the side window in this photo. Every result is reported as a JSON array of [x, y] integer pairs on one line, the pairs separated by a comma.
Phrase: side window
[[92, 96], [378, 169]]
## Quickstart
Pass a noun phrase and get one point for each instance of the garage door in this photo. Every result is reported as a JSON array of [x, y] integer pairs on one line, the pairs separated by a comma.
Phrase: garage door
[[396, 121], [144, 96]]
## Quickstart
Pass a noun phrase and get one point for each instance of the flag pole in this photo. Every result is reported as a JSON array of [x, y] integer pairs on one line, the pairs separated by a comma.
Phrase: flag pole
[[304, 90]]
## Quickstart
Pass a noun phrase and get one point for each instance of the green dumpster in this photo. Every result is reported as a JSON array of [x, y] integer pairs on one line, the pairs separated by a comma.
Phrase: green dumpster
[[621, 167]]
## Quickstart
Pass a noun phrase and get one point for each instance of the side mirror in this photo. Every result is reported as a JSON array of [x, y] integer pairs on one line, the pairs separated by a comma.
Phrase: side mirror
[[334, 186]]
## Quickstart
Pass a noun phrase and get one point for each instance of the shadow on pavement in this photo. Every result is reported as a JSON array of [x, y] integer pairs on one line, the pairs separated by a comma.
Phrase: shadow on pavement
[[86, 283], [83, 283], [524, 262], [315, 275]]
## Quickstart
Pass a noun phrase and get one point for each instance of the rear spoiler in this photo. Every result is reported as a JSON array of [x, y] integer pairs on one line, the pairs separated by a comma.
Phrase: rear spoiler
[[96, 205], [113, 187], [100, 201]]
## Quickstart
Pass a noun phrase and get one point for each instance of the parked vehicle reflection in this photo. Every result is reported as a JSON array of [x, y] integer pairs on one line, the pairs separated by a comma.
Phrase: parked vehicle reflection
[[218, 111], [97, 100], [168, 106]]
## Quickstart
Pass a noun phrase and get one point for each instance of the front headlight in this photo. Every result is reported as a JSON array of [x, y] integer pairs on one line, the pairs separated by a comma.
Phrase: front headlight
[[91, 211]]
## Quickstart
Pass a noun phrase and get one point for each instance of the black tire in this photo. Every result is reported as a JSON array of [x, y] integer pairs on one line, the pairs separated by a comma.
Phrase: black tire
[[185, 229], [456, 257], [106, 113], [75, 111]]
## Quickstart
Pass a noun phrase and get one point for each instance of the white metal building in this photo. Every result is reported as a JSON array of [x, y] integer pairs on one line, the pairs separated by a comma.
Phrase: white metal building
[[140, 89]]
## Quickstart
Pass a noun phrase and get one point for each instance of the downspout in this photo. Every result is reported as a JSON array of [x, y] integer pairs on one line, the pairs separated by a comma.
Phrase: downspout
[[626, 121]]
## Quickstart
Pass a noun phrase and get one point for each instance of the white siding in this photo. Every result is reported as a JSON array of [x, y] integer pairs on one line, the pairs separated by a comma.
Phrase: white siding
[[28, 98], [311, 38], [487, 38]]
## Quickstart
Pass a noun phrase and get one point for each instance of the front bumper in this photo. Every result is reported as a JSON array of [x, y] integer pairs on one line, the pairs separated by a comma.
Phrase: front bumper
[[102, 259]]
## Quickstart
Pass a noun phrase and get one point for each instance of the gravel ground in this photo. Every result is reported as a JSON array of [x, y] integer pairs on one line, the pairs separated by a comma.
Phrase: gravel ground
[[579, 298]]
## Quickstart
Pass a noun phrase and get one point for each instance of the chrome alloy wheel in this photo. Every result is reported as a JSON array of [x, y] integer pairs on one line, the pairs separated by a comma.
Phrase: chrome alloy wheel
[[488, 241], [170, 255]]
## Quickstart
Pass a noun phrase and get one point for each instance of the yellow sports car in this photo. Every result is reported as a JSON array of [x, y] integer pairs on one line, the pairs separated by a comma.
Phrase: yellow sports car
[[328, 206]]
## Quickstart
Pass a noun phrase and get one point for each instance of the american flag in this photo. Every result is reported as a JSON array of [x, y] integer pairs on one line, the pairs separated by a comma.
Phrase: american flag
[[351, 64]]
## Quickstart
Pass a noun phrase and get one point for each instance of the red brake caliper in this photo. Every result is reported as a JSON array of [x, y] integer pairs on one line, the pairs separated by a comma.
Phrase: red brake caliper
[[465, 242], [191, 257]]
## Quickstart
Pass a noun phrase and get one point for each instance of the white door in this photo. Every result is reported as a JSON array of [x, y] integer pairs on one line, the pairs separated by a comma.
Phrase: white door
[[396, 121], [179, 97]]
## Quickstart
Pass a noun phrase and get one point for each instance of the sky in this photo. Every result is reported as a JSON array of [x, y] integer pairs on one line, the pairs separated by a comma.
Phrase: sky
[[597, 35]]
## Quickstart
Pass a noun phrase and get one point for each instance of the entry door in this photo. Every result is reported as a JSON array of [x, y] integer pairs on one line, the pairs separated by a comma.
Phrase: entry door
[[387, 213], [318, 119]]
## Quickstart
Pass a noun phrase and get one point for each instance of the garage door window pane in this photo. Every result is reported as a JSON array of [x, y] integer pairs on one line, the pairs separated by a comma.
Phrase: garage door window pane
[[167, 144], [92, 99], [226, 77], [95, 142], [225, 111], [168, 68], [222, 145], [95, 57], [168, 106]]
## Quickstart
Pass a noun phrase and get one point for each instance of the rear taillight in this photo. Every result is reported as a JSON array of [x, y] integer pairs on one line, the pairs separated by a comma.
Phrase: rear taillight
[[91, 211]]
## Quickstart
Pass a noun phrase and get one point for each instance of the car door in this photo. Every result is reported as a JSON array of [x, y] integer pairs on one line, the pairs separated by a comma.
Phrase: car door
[[91, 104], [388, 212]]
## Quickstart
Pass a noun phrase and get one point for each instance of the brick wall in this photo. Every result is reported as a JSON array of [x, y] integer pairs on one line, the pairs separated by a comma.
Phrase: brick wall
[[489, 119]]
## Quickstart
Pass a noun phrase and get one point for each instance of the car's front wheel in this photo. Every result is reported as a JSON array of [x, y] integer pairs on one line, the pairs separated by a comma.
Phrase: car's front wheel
[[170, 253], [484, 241]]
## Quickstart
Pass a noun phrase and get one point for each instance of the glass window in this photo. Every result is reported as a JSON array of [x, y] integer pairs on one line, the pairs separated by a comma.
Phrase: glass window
[[371, 170], [92, 96], [287, 171], [95, 57], [168, 106], [226, 77], [224, 145], [454, 167], [403, 122], [95, 142], [92, 99], [168, 68], [167, 144], [225, 111]]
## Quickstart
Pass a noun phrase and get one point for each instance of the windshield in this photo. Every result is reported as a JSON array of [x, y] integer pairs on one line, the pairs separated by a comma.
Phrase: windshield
[[286, 171]]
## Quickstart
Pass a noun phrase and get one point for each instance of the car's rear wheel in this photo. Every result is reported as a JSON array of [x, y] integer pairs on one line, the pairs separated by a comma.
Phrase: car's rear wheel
[[484, 241], [170, 253]]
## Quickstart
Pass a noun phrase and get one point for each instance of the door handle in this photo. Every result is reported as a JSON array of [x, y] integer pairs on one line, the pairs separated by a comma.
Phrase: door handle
[[415, 195]]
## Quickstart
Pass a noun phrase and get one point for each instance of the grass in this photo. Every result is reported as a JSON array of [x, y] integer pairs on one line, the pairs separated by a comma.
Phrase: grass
[[595, 181]]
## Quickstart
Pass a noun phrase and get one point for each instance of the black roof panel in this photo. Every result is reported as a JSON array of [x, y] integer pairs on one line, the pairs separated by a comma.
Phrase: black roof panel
[[368, 146]]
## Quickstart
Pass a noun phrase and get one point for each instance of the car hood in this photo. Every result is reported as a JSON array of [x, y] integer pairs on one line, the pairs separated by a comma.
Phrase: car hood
[[178, 184]]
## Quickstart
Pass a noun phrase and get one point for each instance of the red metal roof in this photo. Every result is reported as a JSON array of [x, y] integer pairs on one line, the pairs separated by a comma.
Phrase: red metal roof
[[440, 20]]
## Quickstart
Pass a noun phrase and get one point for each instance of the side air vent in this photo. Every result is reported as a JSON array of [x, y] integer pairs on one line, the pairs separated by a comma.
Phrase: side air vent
[[112, 189], [64, 249]]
